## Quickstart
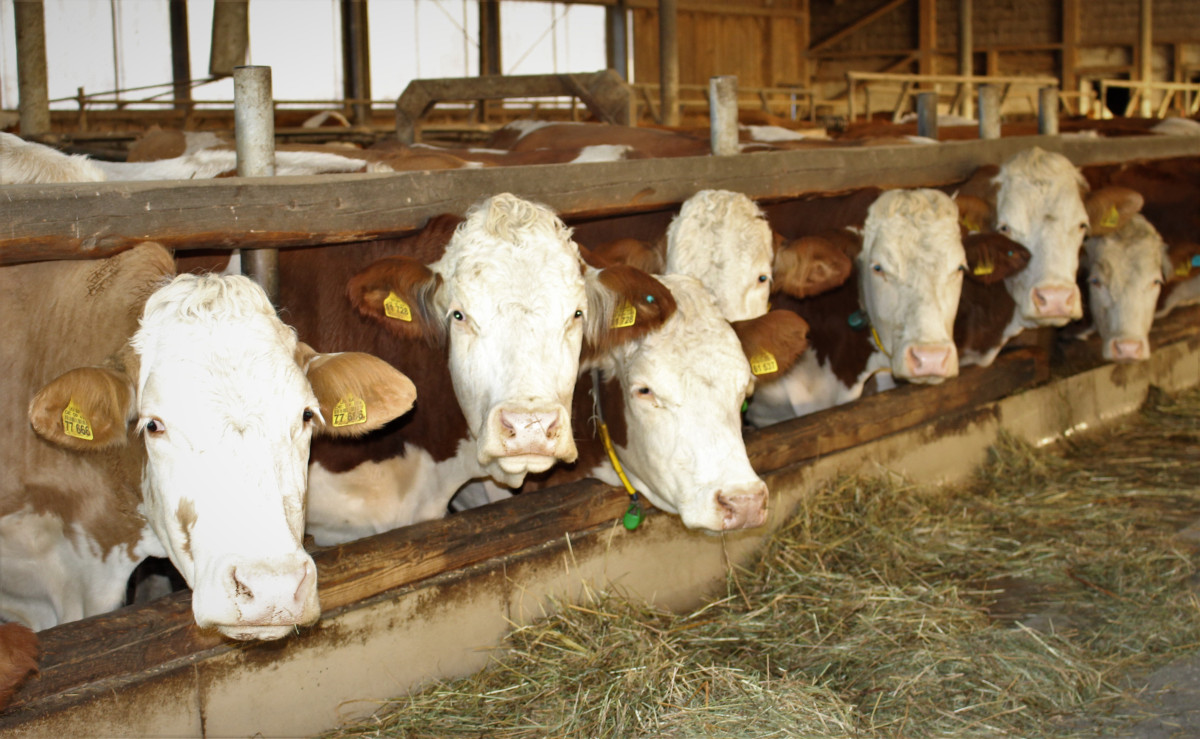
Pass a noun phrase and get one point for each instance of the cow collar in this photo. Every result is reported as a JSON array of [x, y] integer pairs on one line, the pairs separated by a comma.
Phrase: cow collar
[[859, 320], [634, 514]]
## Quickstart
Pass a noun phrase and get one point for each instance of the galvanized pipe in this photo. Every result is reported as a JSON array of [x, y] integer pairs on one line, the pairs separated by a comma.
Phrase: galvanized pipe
[[1048, 111], [989, 112], [254, 127], [723, 114], [927, 115], [32, 88]]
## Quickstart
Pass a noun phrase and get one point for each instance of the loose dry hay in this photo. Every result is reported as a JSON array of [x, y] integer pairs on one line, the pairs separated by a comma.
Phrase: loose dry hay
[[1016, 605]]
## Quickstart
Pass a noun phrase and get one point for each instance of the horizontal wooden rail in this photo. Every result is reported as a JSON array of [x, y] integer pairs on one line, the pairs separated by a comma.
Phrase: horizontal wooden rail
[[80, 221]]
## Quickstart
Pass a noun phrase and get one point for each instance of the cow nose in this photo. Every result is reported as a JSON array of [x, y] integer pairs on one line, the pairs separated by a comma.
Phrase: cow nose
[[1054, 301], [743, 508], [928, 360], [272, 594], [1128, 350], [530, 432]]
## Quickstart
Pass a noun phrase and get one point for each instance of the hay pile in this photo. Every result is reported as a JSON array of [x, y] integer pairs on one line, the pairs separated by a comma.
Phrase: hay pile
[[1015, 605]]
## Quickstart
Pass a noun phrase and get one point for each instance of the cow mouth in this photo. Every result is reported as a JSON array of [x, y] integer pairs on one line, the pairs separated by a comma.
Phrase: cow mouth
[[244, 632], [523, 464]]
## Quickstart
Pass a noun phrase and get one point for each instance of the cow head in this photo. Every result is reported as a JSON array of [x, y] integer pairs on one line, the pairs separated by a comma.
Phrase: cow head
[[517, 307], [910, 271], [682, 390], [225, 401], [1125, 271], [1038, 201]]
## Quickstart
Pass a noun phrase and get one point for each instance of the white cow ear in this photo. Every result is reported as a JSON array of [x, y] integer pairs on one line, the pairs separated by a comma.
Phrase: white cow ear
[[86, 409], [357, 392]]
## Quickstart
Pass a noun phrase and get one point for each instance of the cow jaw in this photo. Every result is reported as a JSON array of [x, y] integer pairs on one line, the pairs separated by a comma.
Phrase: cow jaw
[[221, 403], [910, 279]]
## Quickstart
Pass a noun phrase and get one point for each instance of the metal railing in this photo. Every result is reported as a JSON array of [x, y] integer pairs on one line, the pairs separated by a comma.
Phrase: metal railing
[[908, 82], [1185, 95]]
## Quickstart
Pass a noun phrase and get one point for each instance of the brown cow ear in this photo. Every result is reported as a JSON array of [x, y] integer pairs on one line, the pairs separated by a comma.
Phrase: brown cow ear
[[399, 293], [632, 252], [1110, 208], [773, 343], [624, 304], [810, 266], [357, 392], [974, 213], [86, 409], [992, 257], [981, 185], [1181, 262]]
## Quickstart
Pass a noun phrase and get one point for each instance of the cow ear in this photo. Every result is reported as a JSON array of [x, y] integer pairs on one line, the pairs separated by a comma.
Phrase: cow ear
[[809, 266], [848, 241], [773, 342], [982, 185], [992, 257], [86, 409], [974, 213], [624, 304], [400, 294], [1110, 208], [632, 252], [1181, 262], [357, 392]]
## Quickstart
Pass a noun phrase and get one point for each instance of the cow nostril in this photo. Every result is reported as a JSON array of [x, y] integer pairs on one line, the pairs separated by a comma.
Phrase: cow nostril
[[241, 589]]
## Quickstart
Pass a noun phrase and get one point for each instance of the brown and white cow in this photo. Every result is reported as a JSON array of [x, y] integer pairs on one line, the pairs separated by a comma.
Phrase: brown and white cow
[[497, 311], [27, 163], [896, 316], [151, 415], [19, 650]]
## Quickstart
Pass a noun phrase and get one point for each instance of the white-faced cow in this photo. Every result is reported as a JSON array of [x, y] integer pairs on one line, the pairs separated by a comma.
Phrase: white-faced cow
[[497, 310], [151, 416], [896, 316]]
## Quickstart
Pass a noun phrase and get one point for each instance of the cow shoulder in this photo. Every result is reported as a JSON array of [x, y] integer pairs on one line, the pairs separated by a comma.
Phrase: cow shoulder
[[773, 342], [84, 409], [624, 304]]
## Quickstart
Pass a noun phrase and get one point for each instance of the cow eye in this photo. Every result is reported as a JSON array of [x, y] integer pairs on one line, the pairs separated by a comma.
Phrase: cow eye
[[763, 278], [962, 268], [1083, 226], [457, 315], [308, 415], [1094, 281], [644, 392], [155, 427], [579, 313], [1003, 228], [877, 267], [1158, 281]]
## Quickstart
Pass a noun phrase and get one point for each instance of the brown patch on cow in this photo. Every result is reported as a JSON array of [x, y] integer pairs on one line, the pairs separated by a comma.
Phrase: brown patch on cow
[[156, 144], [984, 310], [185, 515], [354, 376], [810, 266], [818, 215], [651, 299], [1110, 208], [974, 214], [981, 186], [782, 333], [102, 398], [836, 344], [993, 257], [19, 651], [648, 257]]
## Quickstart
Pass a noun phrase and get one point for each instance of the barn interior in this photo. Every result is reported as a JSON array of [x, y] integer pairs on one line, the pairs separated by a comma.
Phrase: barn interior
[[430, 602]]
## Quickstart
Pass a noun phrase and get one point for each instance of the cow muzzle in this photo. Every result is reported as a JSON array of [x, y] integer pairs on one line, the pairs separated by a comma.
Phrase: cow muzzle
[[261, 599], [1126, 350], [930, 363], [1055, 304], [742, 507], [528, 440]]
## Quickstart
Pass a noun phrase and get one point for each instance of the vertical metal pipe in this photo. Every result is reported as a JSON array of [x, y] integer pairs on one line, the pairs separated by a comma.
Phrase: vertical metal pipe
[[1048, 111], [927, 115], [181, 63], [966, 55], [723, 114], [1146, 54], [356, 60], [989, 112], [616, 38], [668, 58], [254, 127], [32, 87]]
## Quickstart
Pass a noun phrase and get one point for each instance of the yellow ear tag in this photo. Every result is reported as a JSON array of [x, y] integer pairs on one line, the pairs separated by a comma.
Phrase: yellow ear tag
[[983, 268], [349, 411], [75, 423], [624, 315], [1111, 218], [1183, 270], [970, 225], [763, 363], [394, 307]]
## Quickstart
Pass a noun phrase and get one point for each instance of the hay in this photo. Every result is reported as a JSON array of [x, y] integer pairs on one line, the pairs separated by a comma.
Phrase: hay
[[1016, 605]]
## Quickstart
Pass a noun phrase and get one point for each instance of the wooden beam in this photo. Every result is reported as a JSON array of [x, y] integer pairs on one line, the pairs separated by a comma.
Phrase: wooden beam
[[866, 20], [98, 219], [1068, 71]]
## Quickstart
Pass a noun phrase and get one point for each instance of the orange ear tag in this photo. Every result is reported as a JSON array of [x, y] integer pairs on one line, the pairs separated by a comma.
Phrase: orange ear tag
[[763, 363], [349, 411], [75, 423], [1111, 218], [394, 307], [623, 316]]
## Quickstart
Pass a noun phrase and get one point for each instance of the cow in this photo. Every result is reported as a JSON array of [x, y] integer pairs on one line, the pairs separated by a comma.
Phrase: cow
[[1036, 198], [895, 316], [672, 402], [28, 163], [150, 414], [985, 308], [19, 650], [496, 310]]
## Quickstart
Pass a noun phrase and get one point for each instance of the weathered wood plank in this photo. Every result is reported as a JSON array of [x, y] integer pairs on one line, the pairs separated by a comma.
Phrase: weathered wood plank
[[94, 220]]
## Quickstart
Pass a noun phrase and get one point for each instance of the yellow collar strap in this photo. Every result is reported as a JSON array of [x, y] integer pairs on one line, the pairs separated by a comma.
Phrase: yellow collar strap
[[878, 343], [634, 514]]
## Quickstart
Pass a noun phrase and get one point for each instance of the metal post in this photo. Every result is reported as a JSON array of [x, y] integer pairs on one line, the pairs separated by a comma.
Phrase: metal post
[[356, 60], [668, 56], [723, 114], [1146, 54], [230, 36], [254, 127], [1048, 111], [32, 88], [989, 112], [616, 38], [927, 115], [181, 65], [966, 56]]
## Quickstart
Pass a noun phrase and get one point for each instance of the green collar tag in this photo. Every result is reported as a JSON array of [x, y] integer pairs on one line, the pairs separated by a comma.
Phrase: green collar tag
[[634, 515], [857, 320]]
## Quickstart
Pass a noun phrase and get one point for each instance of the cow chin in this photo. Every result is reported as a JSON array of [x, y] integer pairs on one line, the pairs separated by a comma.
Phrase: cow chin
[[252, 633], [520, 465]]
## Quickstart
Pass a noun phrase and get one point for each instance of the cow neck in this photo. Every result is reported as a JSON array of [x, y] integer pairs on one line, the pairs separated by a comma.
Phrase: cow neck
[[634, 514], [859, 320], [846, 352]]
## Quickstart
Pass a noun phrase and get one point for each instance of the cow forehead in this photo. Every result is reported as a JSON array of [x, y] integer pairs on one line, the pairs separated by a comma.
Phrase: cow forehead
[[1035, 185], [916, 230], [507, 273], [1134, 251], [715, 227]]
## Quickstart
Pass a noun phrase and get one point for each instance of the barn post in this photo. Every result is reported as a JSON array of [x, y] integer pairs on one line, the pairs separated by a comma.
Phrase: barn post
[[32, 88], [1048, 111], [230, 36], [966, 55], [489, 48], [723, 114], [927, 114], [616, 38], [254, 128], [356, 60], [1145, 54], [989, 112], [668, 59], [181, 64]]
